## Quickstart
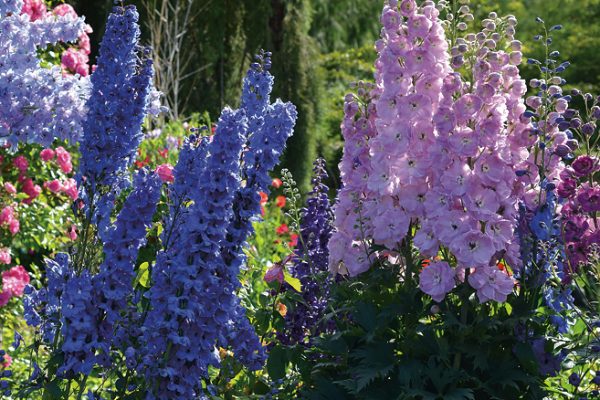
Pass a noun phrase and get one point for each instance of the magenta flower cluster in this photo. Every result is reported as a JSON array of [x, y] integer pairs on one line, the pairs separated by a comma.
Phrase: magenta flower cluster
[[581, 197]]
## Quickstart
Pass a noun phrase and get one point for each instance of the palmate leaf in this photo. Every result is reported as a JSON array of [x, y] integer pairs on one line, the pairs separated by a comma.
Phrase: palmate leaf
[[326, 390], [373, 361], [459, 394]]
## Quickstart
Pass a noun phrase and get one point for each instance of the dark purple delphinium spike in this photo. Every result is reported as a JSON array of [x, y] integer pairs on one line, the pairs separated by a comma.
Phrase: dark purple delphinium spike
[[304, 320]]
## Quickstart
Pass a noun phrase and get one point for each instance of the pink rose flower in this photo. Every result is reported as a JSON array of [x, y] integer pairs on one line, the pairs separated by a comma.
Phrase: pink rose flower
[[14, 226], [36, 9], [69, 59], [21, 163], [54, 186], [5, 256], [62, 10], [10, 188], [30, 189], [47, 155], [5, 296], [63, 158], [82, 69], [72, 233], [14, 280], [69, 187], [6, 215], [165, 172], [7, 361]]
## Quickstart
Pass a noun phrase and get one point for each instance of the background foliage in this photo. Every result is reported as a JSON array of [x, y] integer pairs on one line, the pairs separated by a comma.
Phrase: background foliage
[[314, 46]]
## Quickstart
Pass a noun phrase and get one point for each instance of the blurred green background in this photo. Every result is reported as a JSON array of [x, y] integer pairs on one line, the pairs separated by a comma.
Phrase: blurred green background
[[319, 47]]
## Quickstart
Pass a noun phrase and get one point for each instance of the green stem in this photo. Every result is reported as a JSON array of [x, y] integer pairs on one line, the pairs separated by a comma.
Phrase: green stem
[[82, 387], [464, 310]]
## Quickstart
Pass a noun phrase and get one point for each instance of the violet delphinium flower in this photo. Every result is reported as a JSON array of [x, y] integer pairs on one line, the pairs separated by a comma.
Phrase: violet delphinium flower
[[437, 279], [491, 284], [113, 283]]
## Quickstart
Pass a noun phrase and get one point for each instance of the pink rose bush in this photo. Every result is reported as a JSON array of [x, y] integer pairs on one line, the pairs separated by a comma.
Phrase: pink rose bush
[[36, 192], [13, 284]]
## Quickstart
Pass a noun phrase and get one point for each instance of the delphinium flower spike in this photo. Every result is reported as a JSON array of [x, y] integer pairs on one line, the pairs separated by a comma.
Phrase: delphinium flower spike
[[311, 264]]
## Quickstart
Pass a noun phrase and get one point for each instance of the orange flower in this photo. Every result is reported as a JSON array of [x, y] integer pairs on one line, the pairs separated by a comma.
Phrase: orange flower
[[282, 229], [263, 198], [282, 309], [276, 183], [280, 201]]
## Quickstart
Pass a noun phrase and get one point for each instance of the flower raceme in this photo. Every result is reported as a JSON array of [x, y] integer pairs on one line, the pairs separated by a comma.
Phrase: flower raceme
[[192, 304], [431, 158], [311, 264]]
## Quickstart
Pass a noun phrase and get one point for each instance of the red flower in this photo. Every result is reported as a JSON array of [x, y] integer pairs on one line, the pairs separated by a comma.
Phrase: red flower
[[276, 183], [293, 240], [263, 198], [282, 229], [280, 201], [164, 153]]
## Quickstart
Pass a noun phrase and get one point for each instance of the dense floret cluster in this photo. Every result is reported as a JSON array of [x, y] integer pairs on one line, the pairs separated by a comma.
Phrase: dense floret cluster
[[37, 104]]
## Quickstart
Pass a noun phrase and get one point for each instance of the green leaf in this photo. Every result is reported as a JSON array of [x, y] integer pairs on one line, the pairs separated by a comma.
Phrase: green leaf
[[366, 316], [293, 282], [53, 390], [277, 362], [459, 394], [143, 275]]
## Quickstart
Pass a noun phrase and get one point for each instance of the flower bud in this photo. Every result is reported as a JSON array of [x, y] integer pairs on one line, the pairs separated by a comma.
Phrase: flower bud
[[573, 144], [588, 128], [562, 150]]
